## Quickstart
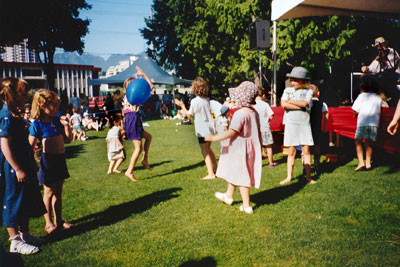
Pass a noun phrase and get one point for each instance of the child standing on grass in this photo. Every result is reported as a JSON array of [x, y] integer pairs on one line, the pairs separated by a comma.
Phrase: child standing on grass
[[367, 109], [134, 131], [77, 129], [297, 102], [203, 123], [52, 130], [19, 191], [265, 114], [240, 162], [115, 146], [319, 114]]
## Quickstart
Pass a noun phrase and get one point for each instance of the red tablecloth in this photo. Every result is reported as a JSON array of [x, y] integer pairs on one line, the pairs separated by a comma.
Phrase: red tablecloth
[[342, 121]]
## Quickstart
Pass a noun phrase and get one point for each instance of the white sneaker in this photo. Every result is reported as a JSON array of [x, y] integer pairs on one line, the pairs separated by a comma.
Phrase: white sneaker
[[248, 210], [224, 198], [30, 239], [20, 246]]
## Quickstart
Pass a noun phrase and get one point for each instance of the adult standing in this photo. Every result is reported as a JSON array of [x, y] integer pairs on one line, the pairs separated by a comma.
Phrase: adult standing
[[386, 67]]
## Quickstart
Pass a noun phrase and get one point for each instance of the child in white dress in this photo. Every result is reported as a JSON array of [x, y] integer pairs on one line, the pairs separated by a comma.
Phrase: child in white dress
[[297, 102], [240, 162], [115, 147]]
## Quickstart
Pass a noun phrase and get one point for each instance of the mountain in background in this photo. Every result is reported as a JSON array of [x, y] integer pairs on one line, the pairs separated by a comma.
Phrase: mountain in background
[[88, 59]]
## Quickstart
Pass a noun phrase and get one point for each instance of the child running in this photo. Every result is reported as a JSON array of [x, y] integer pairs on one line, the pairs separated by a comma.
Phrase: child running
[[77, 129], [115, 146], [203, 123], [52, 129], [19, 191], [133, 127], [240, 163], [367, 109], [297, 102], [265, 114]]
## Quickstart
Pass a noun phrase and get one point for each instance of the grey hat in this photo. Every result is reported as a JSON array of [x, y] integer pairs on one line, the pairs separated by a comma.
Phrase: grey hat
[[223, 110], [298, 73]]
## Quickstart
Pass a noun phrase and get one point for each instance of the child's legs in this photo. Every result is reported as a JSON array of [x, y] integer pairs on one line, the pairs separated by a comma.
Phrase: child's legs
[[47, 200], [263, 152], [290, 162], [230, 190], [147, 141], [110, 166], [307, 160], [117, 164], [368, 153], [360, 152], [57, 202], [270, 155], [245, 193], [135, 156], [12, 231], [205, 150], [212, 156]]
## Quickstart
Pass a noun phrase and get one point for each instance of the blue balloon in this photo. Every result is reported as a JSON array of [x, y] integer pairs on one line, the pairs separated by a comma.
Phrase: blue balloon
[[138, 91]]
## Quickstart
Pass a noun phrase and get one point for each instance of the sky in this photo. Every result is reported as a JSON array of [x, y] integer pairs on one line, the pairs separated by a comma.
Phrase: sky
[[114, 26]]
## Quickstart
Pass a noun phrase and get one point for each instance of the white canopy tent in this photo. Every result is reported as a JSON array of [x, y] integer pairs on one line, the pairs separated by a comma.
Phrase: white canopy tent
[[288, 9]]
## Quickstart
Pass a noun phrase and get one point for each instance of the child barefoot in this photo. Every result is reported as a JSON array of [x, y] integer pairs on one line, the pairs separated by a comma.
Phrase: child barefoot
[[201, 111], [133, 127], [115, 147], [297, 102], [240, 163], [52, 129], [367, 109], [19, 193]]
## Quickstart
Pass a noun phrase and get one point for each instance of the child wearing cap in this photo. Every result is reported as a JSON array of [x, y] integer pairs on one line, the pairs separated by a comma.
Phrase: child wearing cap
[[89, 123], [240, 162], [297, 102]]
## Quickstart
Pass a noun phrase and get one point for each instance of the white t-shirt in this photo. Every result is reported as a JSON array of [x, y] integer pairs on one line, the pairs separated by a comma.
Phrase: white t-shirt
[[221, 123], [368, 107], [215, 108], [264, 112], [201, 111], [85, 121], [76, 119], [301, 117]]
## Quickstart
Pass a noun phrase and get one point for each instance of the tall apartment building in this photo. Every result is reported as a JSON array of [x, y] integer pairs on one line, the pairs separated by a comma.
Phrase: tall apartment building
[[19, 53]]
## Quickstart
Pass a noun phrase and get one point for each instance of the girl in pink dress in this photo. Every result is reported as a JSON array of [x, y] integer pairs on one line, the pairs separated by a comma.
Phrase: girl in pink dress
[[240, 162]]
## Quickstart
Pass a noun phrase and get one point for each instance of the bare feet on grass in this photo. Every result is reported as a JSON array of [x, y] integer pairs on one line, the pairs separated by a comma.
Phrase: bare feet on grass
[[287, 180], [67, 225], [359, 168], [145, 163], [50, 228], [130, 176], [311, 181], [116, 171], [208, 177]]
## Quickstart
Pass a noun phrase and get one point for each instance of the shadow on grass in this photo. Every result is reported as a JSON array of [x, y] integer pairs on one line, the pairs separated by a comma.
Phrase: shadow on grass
[[11, 259], [141, 167], [206, 262], [275, 195], [114, 214], [279, 161], [73, 151], [382, 158], [189, 167]]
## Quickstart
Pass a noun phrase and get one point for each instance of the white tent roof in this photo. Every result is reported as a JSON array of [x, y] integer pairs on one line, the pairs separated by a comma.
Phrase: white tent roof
[[287, 9]]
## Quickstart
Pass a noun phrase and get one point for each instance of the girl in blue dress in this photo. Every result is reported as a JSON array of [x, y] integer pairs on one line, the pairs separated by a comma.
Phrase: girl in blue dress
[[52, 130], [19, 192]]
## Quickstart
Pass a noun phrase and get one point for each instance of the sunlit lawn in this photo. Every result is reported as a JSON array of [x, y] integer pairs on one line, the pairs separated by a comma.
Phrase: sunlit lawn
[[171, 218]]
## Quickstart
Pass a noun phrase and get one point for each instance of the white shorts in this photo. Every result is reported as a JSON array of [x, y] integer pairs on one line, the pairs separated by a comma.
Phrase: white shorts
[[296, 134], [267, 138]]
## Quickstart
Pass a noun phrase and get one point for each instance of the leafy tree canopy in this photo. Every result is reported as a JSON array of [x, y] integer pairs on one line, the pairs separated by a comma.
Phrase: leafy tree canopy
[[209, 38], [48, 24]]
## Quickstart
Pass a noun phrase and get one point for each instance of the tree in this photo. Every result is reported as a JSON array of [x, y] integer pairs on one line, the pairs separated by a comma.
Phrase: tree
[[209, 38], [48, 24]]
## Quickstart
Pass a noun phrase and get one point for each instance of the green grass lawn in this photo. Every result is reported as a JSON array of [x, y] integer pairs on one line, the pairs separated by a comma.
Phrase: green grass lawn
[[171, 217]]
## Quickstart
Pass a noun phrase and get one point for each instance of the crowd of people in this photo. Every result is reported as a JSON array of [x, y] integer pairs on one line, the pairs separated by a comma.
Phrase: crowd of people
[[240, 124]]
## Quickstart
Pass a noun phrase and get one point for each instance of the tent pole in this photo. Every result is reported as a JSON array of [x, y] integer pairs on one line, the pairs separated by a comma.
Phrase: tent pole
[[274, 59]]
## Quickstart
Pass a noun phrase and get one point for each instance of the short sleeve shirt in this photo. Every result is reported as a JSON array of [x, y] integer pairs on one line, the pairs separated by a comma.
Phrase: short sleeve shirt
[[201, 111], [264, 112], [301, 117], [43, 130], [368, 107]]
